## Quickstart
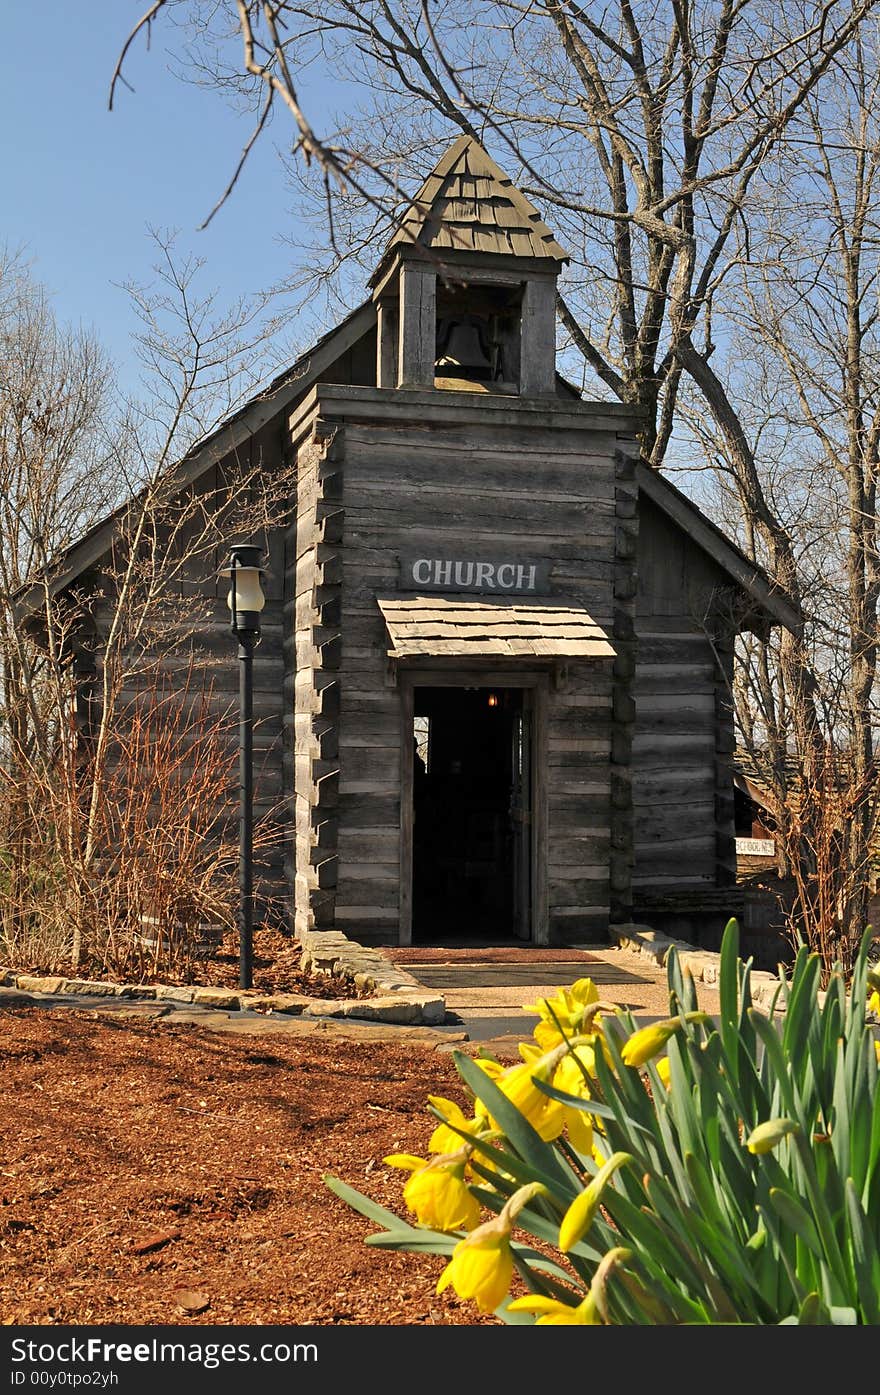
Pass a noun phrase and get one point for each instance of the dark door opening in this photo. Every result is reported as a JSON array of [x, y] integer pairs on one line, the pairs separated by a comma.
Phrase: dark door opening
[[471, 813]]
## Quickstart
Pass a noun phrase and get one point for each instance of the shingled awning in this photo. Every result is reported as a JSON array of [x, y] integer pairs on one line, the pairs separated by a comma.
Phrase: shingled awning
[[461, 627]]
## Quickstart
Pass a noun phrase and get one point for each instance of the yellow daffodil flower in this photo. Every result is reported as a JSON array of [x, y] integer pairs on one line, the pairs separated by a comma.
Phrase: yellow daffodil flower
[[664, 1071], [553, 1313], [569, 1006], [649, 1041], [494, 1070], [579, 1216], [545, 1115], [436, 1192], [481, 1266], [444, 1139], [765, 1137], [569, 1076], [874, 1002]]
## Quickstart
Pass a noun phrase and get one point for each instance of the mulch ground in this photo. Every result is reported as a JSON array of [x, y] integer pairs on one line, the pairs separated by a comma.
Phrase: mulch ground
[[276, 968], [166, 1174]]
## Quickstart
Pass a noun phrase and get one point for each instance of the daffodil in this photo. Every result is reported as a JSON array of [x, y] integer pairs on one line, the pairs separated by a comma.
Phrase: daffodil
[[481, 1266], [579, 1216], [664, 1071], [765, 1137], [567, 1009], [436, 1192], [569, 1076], [874, 1002], [649, 1041], [494, 1070], [545, 1115], [550, 1312], [444, 1139]]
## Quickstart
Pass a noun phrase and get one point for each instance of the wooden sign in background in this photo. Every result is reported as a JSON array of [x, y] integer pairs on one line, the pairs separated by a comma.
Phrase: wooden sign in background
[[755, 847]]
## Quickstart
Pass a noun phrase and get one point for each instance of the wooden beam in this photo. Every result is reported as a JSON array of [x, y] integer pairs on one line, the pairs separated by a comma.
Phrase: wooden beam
[[537, 372], [386, 345], [417, 332], [452, 408]]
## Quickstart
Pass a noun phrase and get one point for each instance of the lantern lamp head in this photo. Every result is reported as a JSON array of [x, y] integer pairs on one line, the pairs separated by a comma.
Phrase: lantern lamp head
[[245, 598]]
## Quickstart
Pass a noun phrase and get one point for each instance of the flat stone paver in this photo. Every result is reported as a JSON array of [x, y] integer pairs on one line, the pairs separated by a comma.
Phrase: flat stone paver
[[522, 977]]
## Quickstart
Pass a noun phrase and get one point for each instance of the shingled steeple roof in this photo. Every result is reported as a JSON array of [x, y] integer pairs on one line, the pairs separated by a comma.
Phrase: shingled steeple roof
[[468, 204]]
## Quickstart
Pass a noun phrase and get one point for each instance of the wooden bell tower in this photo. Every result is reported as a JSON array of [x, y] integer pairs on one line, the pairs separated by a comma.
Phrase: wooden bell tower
[[470, 275]]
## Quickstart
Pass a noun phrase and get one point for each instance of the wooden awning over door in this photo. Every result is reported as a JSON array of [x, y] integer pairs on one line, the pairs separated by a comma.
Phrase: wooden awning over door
[[486, 627]]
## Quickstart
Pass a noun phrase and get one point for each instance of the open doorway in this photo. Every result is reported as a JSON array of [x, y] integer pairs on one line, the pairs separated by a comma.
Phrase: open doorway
[[472, 821]]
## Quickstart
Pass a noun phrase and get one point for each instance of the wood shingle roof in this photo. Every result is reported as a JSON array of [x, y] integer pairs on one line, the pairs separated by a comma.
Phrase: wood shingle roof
[[465, 627], [468, 204]]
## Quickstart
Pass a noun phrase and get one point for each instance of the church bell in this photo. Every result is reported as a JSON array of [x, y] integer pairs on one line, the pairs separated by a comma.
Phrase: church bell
[[462, 348]]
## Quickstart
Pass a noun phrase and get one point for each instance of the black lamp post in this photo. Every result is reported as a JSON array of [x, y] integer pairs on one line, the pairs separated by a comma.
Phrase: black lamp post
[[245, 601]]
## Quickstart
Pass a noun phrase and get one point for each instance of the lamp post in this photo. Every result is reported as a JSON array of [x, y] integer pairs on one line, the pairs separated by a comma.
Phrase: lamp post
[[245, 601]]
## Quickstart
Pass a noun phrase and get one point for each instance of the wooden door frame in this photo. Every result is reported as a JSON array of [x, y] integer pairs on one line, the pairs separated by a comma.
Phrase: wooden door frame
[[538, 682]]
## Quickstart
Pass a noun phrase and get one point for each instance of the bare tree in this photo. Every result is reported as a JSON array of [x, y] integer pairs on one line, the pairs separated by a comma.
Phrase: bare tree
[[805, 316], [639, 128], [86, 657], [57, 470]]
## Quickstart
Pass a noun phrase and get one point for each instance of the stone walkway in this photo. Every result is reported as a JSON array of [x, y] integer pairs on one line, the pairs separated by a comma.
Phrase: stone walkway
[[484, 990]]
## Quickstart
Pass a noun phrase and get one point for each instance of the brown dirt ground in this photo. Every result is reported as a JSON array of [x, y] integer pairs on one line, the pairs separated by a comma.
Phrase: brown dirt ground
[[148, 1168], [143, 1163]]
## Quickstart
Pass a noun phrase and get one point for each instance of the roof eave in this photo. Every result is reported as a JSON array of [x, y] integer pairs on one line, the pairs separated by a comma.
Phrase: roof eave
[[277, 396]]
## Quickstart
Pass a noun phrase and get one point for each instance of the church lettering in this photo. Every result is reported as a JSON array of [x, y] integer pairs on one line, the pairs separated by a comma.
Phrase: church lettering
[[483, 574]]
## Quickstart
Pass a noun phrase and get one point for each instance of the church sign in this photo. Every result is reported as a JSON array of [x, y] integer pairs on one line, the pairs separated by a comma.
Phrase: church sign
[[504, 576]]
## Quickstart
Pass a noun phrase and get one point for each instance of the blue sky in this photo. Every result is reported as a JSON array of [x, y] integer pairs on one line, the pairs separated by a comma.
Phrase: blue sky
[[82, 184]]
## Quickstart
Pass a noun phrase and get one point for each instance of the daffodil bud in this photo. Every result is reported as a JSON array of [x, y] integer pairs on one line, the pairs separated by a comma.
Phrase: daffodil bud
[[765, 1137], [579, 1216], [650, 1041], [549, 1312]]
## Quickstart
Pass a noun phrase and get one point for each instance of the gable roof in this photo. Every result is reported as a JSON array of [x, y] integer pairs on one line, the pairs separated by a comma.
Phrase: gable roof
[[284, 390], [279, 394], [768, 596], [468, 204]]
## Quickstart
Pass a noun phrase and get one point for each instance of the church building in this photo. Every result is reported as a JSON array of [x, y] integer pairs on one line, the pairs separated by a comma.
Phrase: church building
[[494, 687]]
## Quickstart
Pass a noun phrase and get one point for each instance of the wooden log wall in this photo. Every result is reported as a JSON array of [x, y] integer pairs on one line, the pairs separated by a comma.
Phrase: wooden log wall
[[312, 607], [541, 493], [682, 773], [622, 849], [192, 635]]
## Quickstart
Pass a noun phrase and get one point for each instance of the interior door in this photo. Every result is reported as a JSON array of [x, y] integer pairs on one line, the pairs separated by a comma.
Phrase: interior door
[[521, 820]]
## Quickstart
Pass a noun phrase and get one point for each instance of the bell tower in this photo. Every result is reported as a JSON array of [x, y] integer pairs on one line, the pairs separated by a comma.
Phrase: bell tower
[[466, 289]]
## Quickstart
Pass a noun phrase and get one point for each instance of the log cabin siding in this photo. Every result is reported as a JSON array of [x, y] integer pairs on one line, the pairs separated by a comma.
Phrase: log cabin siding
[[193, 634], [683, 821], [514, 488]]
